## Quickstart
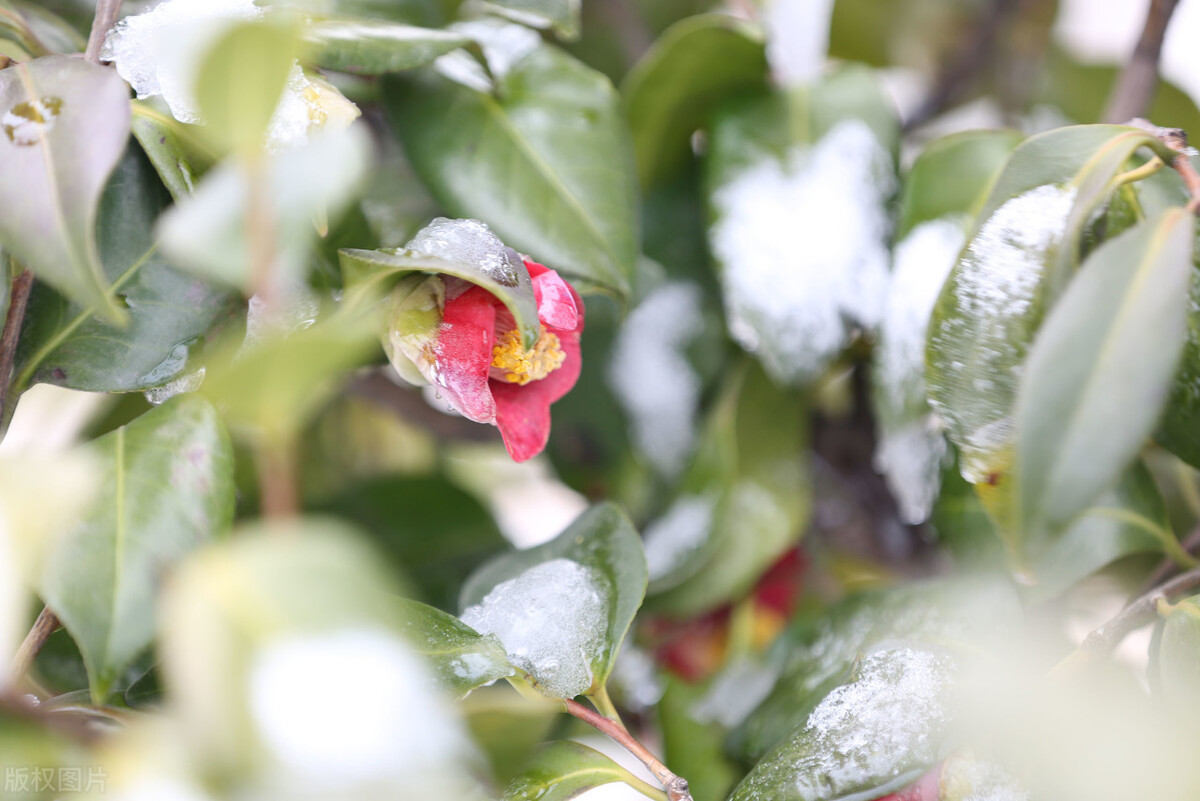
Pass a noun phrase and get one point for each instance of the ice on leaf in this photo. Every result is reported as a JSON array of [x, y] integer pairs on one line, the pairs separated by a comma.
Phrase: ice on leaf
[[979, 336], [469, 242], [552, 620], [803, 244], [911, 446], [396, 733], [503, 45], [652, 378]]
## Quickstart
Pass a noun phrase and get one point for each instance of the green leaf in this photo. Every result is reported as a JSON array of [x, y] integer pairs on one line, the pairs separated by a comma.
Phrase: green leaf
[[693, 749], [461, 658], [1127, 519], [367, 47], [1100, 370], [1181, 419], [952, 176], [561, 15], [550, 166], [876, 734], [1022, 252], [172, 147], [170, 313], [369, 272], [671, 92], [562, 770], [605, 545], [66, 123], [168, 488], [242, 77], [750, 491], [784, 169]]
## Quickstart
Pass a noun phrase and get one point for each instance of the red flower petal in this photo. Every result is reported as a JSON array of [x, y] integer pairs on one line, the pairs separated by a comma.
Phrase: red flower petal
[[523, 412], [464, 354], [555, 301]]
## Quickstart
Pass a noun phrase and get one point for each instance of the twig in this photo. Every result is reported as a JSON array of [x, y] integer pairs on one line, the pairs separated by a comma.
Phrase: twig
[[46, 624], [107, 12], [1176, 139], [676, 786], [276, 460], [18, 299], [1135, 88], [1103, 640], [1169, 567]]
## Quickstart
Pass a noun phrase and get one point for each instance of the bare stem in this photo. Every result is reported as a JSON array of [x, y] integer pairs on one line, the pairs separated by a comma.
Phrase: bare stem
[[676, 786], [106, 16], [1136, 614], [46, 624], [18, 299], [1134, 90], [277, 478], [1169, 567], [1176, 139]]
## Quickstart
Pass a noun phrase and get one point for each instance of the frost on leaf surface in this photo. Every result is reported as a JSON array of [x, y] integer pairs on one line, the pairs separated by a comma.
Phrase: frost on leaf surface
[[969, 779], [393, 736], [979, 338], [911, 446], [871, 733], [552, 620], [679, 533], [469, 242], [802, 245], [652, 378]]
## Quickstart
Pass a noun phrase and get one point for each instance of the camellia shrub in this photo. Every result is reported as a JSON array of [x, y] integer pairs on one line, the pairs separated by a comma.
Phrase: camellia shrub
[[528, 399]]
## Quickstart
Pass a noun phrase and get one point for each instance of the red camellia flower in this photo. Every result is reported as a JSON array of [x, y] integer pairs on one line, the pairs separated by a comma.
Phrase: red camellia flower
[[482, 370]]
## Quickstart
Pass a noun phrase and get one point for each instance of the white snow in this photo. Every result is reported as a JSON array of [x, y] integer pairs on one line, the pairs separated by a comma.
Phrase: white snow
[[997, 280], [552, 620], [470, 242], [504, 45], [803, 247], [327, 738], [651, 376], [911, 445], [979, 780], [677, 534], [797, 38], [188, 382]]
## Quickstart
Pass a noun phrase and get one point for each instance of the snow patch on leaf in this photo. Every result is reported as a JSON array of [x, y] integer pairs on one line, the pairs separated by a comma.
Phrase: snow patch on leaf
[[802, 242], [679, 533], [551, 620]]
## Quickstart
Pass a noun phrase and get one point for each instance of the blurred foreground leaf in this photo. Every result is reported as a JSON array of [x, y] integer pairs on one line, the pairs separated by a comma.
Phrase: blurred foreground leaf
[[367, 47], [563, 770]]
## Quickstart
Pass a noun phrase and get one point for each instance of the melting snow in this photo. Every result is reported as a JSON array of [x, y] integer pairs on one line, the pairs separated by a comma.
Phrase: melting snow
[[470, 242], [188, 382], [330, 739], [679, 533], [797, 38], [552, 620], [912, 446], [802, 244], [996, 283], [652, 378], [976, 780]]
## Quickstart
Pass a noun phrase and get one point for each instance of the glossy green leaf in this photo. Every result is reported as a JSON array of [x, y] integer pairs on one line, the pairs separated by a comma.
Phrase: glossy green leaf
[[170, 313], [952, 176], [1022, 252], [693, 749], [168, 488], [749, 484], [1099, 372], [671, 92], [66, 123], [604, 543], [208, 235], [241, 79], [561, 15], [1129, 518], [369, 272], [547, 163], [175, 151], [508, 726], [461, 659], [783, 169], [1177, 430], [367, 47], [874, 735], [1178, 651], [562, 770]]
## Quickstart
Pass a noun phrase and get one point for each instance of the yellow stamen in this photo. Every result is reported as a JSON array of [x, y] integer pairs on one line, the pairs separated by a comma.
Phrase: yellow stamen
[[523, 366]]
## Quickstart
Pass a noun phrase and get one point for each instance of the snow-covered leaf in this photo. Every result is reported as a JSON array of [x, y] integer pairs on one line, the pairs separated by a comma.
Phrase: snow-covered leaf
[[461, 658], [66, 123], [562, 609], [798, 184]]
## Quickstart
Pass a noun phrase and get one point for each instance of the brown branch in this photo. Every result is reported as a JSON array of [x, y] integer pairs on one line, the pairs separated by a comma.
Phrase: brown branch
[[1135, 87], [107, 12], [1176, 139], [676, 786], [46, 624], [1168, 567], [1102, 641], [18, 299], [277, 479]]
